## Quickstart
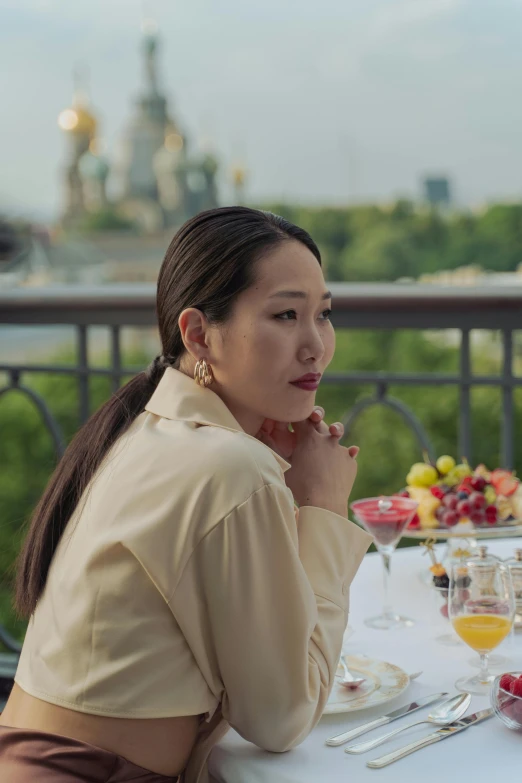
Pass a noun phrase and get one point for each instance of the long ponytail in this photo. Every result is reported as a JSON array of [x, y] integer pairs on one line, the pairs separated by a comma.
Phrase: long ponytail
[[67, 484], [210, 261]]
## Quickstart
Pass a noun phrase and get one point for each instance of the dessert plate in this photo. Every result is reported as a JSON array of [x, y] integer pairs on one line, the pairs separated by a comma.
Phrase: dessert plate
[[384, 681]]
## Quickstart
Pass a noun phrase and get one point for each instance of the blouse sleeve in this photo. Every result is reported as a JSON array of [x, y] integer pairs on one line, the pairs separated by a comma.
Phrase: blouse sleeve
[[263, 604]]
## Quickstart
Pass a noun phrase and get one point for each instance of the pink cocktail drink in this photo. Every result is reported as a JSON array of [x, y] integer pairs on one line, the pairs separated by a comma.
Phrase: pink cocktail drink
[[385, 518]]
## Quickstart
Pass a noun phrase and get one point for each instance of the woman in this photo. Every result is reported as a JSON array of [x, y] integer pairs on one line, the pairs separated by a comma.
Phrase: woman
[[173, 589]]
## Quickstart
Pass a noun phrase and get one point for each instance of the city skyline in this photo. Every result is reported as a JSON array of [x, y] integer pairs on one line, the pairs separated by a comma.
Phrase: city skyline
[[329, 103]]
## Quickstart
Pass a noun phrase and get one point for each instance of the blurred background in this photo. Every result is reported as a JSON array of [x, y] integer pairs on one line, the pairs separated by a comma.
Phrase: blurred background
[[389, 129]]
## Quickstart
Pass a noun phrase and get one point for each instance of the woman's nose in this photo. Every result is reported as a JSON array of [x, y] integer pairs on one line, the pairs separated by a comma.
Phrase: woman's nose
[[312, 346]]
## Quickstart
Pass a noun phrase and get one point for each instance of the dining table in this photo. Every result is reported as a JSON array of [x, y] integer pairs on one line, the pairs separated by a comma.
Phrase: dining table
[[476, 755]]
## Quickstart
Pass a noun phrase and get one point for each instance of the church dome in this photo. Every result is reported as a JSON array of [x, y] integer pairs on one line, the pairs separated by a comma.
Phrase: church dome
[[78, 119]]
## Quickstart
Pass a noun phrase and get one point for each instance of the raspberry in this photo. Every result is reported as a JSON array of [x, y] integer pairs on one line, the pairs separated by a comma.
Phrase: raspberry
[[505, 682], [415, 522], [437, 492], [516, 688]]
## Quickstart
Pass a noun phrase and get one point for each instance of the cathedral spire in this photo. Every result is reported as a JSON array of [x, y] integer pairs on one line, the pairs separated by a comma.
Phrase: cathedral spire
[[150, 51]]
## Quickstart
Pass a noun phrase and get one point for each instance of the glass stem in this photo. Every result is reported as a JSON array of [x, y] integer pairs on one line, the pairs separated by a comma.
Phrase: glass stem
[[484, 664], [386, 560]]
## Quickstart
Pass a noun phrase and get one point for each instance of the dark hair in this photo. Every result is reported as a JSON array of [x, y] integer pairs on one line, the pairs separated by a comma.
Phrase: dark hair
[[210, 261]]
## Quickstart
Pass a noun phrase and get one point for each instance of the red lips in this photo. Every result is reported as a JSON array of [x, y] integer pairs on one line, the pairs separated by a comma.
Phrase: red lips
[[311, 377]]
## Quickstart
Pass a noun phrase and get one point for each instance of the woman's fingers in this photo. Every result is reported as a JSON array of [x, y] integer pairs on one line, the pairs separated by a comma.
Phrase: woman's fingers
[[337, 429], [353, 451]]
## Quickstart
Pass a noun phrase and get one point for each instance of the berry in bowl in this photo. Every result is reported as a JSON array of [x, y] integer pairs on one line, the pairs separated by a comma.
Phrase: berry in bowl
[[506, 699]]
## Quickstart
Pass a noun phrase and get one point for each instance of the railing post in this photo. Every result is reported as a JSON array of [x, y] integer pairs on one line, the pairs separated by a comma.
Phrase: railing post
[[507, 400], [465, 408], [83, 377], [115, 358]]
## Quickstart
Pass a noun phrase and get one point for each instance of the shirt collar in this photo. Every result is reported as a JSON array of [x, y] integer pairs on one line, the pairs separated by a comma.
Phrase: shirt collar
[[180, 398]]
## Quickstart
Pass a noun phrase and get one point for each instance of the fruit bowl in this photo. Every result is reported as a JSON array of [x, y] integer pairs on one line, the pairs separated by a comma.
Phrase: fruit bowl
[[508, 705], [452, 496]]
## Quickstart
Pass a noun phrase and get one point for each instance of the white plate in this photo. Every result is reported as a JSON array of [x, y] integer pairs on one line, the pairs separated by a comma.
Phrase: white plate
[[384, 681]]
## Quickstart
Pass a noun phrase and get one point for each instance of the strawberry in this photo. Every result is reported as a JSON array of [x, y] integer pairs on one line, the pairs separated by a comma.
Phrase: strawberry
[[415, 522], [507, 486], [506, 681], [516, 688], [504, 482]]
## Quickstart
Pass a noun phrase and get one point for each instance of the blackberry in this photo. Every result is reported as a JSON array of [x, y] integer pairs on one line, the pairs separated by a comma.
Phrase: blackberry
[[441, 581], [462, 581]]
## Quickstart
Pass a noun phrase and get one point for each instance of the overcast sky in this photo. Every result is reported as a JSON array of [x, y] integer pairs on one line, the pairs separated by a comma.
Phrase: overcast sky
[[324, 101]]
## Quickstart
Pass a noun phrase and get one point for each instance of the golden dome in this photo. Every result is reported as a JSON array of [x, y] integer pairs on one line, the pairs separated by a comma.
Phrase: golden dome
[[78, 120], [238, 175]]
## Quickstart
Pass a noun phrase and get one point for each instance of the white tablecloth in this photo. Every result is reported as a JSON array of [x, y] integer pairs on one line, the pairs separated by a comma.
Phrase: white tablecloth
[[479, 754]]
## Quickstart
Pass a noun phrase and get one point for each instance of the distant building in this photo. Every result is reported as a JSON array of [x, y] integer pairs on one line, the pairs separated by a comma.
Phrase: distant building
[[437, 191], [163, 184]]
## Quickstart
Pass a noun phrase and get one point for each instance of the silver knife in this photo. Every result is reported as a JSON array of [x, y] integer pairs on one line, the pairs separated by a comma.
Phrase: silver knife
[[340, 739], [444, 733]]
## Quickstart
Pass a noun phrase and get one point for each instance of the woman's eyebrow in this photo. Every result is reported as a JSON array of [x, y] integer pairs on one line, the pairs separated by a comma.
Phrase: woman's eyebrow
[[298, 295]]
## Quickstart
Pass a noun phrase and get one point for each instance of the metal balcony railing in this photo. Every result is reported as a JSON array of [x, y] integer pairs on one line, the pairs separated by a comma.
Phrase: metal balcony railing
[[356, 306]]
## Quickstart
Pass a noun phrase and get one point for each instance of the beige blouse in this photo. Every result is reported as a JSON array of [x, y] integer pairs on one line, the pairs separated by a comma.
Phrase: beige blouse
[[185, 584]]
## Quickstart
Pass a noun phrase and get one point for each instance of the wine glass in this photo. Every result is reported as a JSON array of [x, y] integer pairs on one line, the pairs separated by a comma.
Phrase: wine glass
[[385, 518], [481, 606]]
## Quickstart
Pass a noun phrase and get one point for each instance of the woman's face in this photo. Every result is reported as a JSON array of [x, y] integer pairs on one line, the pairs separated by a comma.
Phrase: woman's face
[[279, 331]]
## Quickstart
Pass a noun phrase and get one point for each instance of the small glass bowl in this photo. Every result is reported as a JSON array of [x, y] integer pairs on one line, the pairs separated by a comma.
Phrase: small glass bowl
[[507, 707]]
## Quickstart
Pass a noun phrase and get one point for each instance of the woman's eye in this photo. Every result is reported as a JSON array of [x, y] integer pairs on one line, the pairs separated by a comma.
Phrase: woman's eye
[[291, 315]]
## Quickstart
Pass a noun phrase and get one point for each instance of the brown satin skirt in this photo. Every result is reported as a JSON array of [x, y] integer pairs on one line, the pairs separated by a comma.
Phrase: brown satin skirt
[[28, 756]]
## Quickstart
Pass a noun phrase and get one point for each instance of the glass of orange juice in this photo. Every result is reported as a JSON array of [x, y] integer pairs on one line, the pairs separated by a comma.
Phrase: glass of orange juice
[[481, 607]]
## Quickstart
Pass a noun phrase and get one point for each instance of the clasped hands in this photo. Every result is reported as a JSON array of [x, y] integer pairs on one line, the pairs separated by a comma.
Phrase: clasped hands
[[278, 436]]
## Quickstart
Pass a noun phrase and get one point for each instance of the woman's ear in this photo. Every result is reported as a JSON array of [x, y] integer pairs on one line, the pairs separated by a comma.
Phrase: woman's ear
[[194, 327]]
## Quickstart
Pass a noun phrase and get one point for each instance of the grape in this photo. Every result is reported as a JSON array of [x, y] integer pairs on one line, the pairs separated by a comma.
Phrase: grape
[[451, 479], [422, 475], [478, 483], [450, 518], [445, 464], [461, 471], [490, 494], [477, 500], [439, 512], [463, 508], [477, 516], [491, 514], [450, 500]]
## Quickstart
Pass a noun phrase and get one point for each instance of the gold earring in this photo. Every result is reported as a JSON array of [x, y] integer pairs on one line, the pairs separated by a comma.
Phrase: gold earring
[[203, 373]]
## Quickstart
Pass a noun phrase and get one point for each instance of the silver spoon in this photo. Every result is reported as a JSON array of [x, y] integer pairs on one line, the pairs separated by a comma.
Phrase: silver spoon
[[447, 712], [349, 681]]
